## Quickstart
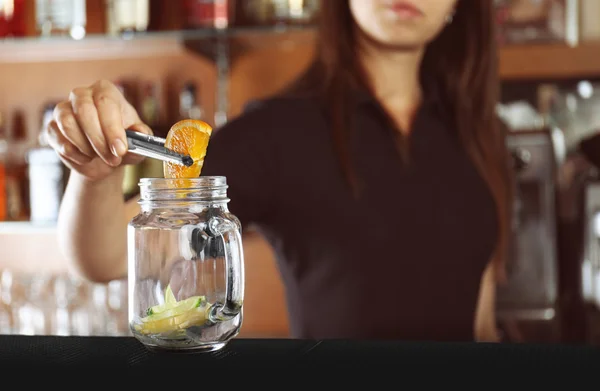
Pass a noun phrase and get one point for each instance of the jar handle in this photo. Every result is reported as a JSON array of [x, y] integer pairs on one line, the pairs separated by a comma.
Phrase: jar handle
[[234, 270]]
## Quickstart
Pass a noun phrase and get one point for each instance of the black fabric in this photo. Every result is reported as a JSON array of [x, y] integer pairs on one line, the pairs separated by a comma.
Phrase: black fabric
[[403, 261], [101, 353]]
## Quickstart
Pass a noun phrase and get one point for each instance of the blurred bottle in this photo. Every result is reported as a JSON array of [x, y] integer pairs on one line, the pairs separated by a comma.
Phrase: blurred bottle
[[149, 104], [280, 11], [3, 152], [208, 13], [12, 18], [189, 104], [590, 14], [277, 12], [17, 185], [131, 174], [127, 16], [46, 176], [150, 113], [6, 15], [61, 17]]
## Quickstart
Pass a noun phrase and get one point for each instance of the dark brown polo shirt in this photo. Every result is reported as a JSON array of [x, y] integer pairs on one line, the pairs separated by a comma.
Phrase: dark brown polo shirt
[[403, 261]]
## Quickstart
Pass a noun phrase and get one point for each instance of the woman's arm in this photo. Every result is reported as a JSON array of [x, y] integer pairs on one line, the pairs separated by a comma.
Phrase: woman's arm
[[88, 134], [92, 227], [485, 318]]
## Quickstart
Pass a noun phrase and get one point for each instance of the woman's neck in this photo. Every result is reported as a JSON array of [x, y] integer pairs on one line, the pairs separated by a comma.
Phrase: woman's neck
[[394, 77]]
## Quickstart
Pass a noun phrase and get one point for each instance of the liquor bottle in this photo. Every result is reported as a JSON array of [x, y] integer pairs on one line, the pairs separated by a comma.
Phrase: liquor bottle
[[5, 20], [3, 153], [127, 16], [150, 104], [189, 105], [61, 17], [208, 13], [150, 113], [46, 175], [131, 175], [16, 170], [12, 18]]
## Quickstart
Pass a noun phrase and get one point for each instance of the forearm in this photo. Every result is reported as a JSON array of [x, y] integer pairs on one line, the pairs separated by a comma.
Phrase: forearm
[[92, 227]]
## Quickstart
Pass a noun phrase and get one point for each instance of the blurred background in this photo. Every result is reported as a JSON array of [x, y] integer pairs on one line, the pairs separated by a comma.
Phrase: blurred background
[[206, 59]]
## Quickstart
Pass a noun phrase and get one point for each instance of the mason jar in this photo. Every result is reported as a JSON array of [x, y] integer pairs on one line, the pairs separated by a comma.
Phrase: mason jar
[[185, 265]]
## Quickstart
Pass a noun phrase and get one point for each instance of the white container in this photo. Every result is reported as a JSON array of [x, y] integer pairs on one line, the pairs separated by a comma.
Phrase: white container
[[61, 17], [590, 20], [45, 184], [124, 16]]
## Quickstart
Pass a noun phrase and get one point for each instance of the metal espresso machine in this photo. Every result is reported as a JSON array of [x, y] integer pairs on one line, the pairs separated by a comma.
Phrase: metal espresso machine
[[576, 111], [590, 265], [528, 304], [553, 289]]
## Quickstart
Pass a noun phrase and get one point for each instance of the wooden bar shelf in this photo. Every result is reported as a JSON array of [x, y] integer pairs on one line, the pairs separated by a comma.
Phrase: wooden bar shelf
[[551, 61], [517, 62]]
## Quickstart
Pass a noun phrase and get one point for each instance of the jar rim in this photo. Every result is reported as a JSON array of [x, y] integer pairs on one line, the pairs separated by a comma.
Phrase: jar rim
[[184, 190], [201, 182]]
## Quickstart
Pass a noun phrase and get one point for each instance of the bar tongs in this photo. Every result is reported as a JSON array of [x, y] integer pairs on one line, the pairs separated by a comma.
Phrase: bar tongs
[[154, 147]]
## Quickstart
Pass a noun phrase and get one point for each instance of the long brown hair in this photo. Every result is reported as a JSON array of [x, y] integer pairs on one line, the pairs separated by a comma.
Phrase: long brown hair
[[461, 61]]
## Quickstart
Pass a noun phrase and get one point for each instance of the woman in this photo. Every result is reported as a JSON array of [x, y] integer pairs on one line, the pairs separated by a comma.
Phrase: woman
[[379, 178]]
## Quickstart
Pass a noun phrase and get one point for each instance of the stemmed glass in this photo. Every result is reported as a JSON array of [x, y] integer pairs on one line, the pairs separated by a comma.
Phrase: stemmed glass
[[71, 295], [116, 305], [19, 292]]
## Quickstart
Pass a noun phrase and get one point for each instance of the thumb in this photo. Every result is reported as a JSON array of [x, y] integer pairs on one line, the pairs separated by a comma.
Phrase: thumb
[[141, 127], [137, 127]]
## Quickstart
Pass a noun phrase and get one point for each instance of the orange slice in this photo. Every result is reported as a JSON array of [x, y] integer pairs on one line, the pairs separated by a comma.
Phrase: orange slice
[[187, 137]]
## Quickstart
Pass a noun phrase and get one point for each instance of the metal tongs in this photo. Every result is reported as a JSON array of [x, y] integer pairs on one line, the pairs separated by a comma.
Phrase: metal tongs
[[154, 147]]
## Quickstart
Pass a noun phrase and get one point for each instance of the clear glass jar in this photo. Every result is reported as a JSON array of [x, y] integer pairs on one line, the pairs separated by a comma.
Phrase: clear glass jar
[[186, 265]]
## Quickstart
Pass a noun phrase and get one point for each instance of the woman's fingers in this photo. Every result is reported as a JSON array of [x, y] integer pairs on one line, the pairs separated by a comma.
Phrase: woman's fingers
[[82, 108], [63, 146], [91, 124], [111, 106], [65, 121]]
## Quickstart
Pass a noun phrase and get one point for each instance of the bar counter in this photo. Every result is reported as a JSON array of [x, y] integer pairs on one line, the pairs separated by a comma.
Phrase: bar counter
[[58, 352]]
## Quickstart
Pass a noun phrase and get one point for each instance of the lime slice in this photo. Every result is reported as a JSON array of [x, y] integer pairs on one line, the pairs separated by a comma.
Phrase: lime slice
[[154, 325], [196, 317], [177, 309], [174, 315], [170, 302], [170, 299]]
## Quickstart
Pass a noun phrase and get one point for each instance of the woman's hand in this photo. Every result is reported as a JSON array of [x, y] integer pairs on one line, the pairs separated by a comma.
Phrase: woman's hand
[[88, 130]]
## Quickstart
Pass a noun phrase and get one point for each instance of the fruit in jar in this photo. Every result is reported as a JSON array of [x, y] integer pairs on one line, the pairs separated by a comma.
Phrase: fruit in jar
[[187, 137], [174, 315]]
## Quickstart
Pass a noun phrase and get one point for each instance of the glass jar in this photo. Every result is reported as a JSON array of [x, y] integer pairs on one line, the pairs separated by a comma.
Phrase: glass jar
[[186, 265]]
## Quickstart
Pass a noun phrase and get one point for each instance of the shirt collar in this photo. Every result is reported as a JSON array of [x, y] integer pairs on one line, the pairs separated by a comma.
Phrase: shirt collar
[[362, 96]]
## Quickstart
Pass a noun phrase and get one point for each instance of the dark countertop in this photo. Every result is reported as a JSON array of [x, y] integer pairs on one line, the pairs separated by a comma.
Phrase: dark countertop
[[121, 352]]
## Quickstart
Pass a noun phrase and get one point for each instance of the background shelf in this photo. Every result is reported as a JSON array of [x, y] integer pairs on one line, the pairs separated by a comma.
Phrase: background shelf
[[517, 62], [552, 61], [25, 227], [206, 42]]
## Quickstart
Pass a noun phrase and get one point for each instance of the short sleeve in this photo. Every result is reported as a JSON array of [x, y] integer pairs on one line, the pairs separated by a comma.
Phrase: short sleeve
[[245, 152]]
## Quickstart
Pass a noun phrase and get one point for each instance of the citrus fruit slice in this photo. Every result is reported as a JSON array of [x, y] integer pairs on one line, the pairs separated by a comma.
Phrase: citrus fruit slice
[[187, 137], [166, 310], [170, 302], [174, 315], [170, 299], [194, 317]]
